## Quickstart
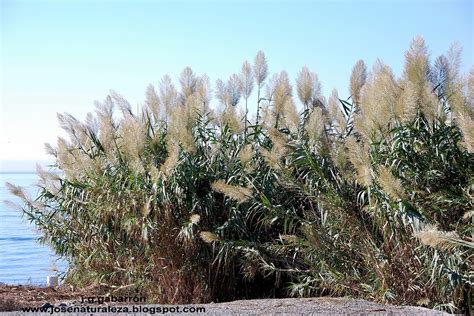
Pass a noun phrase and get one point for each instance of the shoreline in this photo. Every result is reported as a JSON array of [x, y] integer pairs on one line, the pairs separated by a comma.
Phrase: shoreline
[[14, 298]]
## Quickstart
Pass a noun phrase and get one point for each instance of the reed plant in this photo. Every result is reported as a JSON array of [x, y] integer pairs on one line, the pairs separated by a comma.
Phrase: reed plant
[[368, 196]]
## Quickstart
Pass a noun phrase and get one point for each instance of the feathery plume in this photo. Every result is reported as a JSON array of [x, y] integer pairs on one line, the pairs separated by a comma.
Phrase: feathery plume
[[182, 121], [271, 86], [339, 156], [91, 123], [459, 101], [171, 160], [435, 238], [50, 150], [227, 112], [358, 78], [281, 95], [222, 94], [76, 130], [279, 149], [445, 75], [430, 104], [304, 85], [132, 140], [417, 68], [81, 164], [315, 126], [260, 68], [188, 82], [391, 185], [168, 95], [194, 219], [104, 112], [208, 237], [155, 173], [470, 87], [237, 193], [365, 126], [22, 194], [234, 88], [181, 124], [121, 103], [204, 93], [268, 117], [152, 102], [359, 157], [453, 57], [246, 154], [16, 190], [466, 125], [230, 119], [48, 180], [308, 86], [192, 106], [66, 160], [282, 90], [406, 104], [246, 77], [291, 119], [335, 112], [379, 95]]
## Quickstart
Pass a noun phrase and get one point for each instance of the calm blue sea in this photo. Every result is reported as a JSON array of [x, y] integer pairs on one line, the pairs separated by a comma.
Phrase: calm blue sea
[[22, 259]]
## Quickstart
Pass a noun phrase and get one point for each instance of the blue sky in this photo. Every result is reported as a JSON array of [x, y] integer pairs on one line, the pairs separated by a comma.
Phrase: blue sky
[[60, 56]]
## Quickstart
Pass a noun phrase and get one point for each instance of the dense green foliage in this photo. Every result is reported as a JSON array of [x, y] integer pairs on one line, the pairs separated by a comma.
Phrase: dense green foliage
[[368, 197]]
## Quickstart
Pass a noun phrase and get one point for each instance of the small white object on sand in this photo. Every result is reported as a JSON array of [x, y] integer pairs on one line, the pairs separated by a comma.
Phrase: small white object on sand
[[52, 280]]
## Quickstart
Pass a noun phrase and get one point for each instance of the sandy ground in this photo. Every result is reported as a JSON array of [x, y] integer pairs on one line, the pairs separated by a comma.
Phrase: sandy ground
[[13, 298], [314, 306]]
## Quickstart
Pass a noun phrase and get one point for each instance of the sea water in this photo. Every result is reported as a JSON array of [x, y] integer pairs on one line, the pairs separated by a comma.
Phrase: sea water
[[22, 259]]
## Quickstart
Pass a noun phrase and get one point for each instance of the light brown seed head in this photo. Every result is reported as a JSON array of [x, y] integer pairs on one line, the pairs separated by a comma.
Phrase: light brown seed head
[[237, 193], [260, 68], [358, 78], [391, 185]]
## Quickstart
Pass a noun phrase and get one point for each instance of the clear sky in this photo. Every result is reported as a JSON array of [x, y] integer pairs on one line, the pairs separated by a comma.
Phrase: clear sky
[[60, 56]]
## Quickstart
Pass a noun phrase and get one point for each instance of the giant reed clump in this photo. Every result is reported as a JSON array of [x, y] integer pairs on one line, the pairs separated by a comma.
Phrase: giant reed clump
[[369, 196]]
